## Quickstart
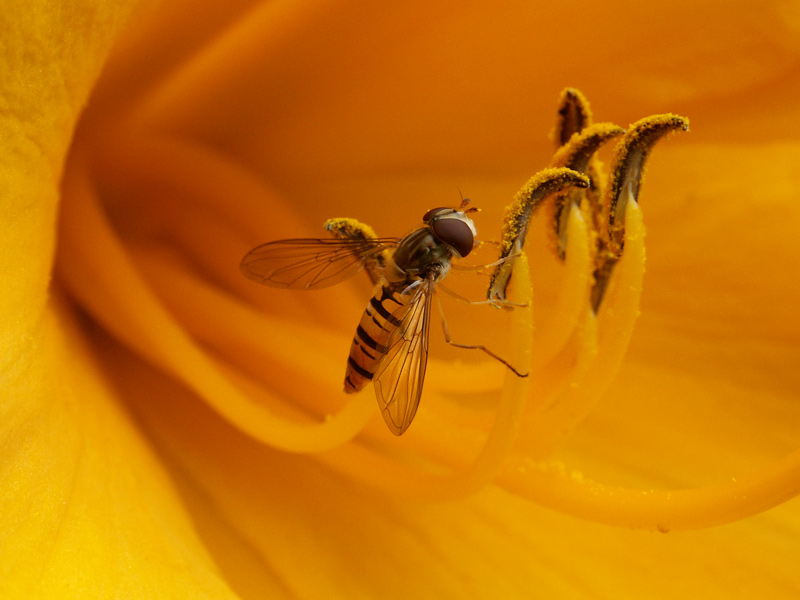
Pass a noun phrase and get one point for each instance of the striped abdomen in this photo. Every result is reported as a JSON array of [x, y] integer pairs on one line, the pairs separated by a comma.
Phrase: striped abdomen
[[372, 336]]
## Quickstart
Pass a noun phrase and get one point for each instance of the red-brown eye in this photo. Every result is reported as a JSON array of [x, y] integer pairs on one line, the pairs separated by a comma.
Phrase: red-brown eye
[[455, 233], [435, 212]]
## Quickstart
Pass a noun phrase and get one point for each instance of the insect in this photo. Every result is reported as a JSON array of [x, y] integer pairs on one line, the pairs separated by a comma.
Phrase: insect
[[390, 346]]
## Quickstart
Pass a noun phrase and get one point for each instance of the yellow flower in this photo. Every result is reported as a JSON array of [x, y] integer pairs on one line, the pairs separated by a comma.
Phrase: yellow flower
[[169, 429]]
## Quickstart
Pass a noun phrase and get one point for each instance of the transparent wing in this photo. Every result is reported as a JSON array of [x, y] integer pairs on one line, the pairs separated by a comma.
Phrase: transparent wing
[[399, 378], [310, 264]]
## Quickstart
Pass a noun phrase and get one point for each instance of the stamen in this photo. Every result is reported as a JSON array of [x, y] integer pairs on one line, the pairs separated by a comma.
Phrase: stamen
[[552, 333], [552, 486], [574, 115], [518, 214], [629, 161], [577, 154], [580, 148], [602, 341]]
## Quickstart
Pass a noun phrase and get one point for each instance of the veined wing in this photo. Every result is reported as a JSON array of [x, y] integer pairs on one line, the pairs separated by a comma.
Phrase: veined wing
[[399, 378], [310, 264]]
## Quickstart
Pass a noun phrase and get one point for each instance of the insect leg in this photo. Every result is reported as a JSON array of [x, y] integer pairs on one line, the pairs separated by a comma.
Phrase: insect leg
[[499, 303], [475, 346], [479, 268]]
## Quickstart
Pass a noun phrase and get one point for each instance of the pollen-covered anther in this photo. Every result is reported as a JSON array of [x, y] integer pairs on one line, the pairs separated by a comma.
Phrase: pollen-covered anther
[[630, 157], [517, 215], [581, 146], [574, 115], [578, 154]]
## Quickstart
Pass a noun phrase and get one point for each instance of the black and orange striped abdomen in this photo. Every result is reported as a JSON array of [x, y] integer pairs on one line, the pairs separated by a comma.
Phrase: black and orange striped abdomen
[[379, 321]]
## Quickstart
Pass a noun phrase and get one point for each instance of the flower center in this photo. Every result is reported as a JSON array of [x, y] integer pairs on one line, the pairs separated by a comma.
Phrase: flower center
[[164, 282]]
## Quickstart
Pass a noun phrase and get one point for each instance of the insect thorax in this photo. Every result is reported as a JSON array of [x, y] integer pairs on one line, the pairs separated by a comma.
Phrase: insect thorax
[[419, 256]]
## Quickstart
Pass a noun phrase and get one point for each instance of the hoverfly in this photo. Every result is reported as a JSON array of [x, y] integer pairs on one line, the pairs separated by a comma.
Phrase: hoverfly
[[390, 346]]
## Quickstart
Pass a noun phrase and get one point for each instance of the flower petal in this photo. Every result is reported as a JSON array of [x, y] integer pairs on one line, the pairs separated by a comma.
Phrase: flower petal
[[269, 517], [290, 518], [87, 506], [70, 459], [49, 62]]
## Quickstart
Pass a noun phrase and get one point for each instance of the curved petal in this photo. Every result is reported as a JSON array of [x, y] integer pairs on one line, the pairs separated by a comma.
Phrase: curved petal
[[87, 505], [49, 62], [82, 493], [396, 84]]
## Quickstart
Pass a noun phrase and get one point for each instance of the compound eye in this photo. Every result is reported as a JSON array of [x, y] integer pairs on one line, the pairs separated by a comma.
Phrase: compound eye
[[435, 212], [455, 233]]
